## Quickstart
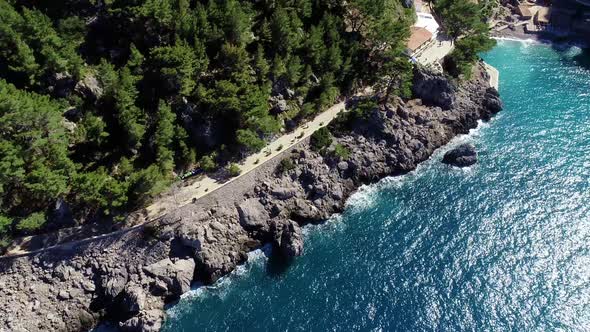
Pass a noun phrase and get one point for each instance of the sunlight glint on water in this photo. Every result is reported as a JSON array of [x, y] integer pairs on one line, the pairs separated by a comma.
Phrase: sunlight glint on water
[[504, 245]]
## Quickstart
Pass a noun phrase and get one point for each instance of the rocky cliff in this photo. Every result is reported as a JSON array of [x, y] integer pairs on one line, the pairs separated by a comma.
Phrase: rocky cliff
[[128, 277]]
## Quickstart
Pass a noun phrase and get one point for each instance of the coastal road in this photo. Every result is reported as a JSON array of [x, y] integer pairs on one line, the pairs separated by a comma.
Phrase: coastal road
[[204, 185], [180, 196]]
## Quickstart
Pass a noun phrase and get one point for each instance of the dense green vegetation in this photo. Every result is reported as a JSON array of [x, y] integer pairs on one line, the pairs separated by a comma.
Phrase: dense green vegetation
[[465, 22], [321, 139], [341, 152], [102, 102], [285, 165]]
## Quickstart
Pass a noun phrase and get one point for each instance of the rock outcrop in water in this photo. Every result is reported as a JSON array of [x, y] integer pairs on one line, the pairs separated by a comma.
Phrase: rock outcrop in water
[[462, 156], [129, 276]]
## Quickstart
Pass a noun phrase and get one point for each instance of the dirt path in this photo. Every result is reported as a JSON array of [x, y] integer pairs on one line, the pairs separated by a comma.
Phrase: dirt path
[[181, 196]]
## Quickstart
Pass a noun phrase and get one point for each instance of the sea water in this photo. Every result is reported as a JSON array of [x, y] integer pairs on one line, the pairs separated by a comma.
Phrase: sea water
[[501, 246]]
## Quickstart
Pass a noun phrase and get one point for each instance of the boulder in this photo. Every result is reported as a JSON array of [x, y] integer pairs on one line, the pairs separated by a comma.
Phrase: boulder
[[304, 211], [63, 295], [177, 276], [290, 93], [146, 321], [462, 156], [343, 166], [284, 193], [89, 87], [279, 104], [253, 216], [433, 88], [213, 264], [288, 238], [134, 298], [191, 239], [185, 270], [492, 101], [113, 282], [282, 106], [88, 286]]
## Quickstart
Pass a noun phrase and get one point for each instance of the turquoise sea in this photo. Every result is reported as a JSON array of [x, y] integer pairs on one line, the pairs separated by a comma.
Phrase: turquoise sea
[[501, 246]]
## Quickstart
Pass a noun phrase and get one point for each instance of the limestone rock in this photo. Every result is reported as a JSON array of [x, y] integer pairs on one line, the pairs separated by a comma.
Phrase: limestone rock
[[253, 216], [146, 321], [433, 89], [462, 156], [89, 87], [288, 238], [177, 276]]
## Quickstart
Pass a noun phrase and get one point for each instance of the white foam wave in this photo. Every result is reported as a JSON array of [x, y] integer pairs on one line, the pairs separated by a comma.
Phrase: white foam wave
[[538, 41], [474, 136], [333, 223], [255, 257], [525, 41], [364, 198]]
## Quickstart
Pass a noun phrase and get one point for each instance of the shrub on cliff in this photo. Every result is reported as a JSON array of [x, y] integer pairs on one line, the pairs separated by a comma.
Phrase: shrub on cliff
[[285, 165], [320, 139], [466, 53], [341, 152], [31, 223], [5, 230]]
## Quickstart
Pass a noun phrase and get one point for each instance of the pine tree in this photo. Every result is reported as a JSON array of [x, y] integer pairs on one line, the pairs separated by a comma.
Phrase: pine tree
[[163, 138], [180, 65], [261, 65], [130, 117]]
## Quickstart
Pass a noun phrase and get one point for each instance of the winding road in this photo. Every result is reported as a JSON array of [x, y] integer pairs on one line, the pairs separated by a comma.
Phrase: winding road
[[205, 185], [179, 196]]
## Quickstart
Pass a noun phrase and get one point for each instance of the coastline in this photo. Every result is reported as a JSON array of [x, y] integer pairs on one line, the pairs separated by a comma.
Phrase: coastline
[[540, 38], [129, 278]]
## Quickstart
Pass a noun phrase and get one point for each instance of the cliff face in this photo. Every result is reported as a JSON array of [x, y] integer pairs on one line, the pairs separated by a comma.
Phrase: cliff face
[[572, 16], [128, 277]]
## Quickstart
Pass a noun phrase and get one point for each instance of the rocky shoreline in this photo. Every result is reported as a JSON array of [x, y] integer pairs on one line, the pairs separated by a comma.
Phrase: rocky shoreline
[[129, 277], [541, 37]]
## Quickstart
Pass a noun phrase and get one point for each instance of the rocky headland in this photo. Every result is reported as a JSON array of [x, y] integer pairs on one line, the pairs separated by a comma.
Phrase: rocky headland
[[128, 277]]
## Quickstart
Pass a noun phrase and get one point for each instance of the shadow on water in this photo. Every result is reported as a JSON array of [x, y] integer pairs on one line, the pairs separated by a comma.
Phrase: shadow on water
[[583, 59], [277, 264], [570, 53]]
